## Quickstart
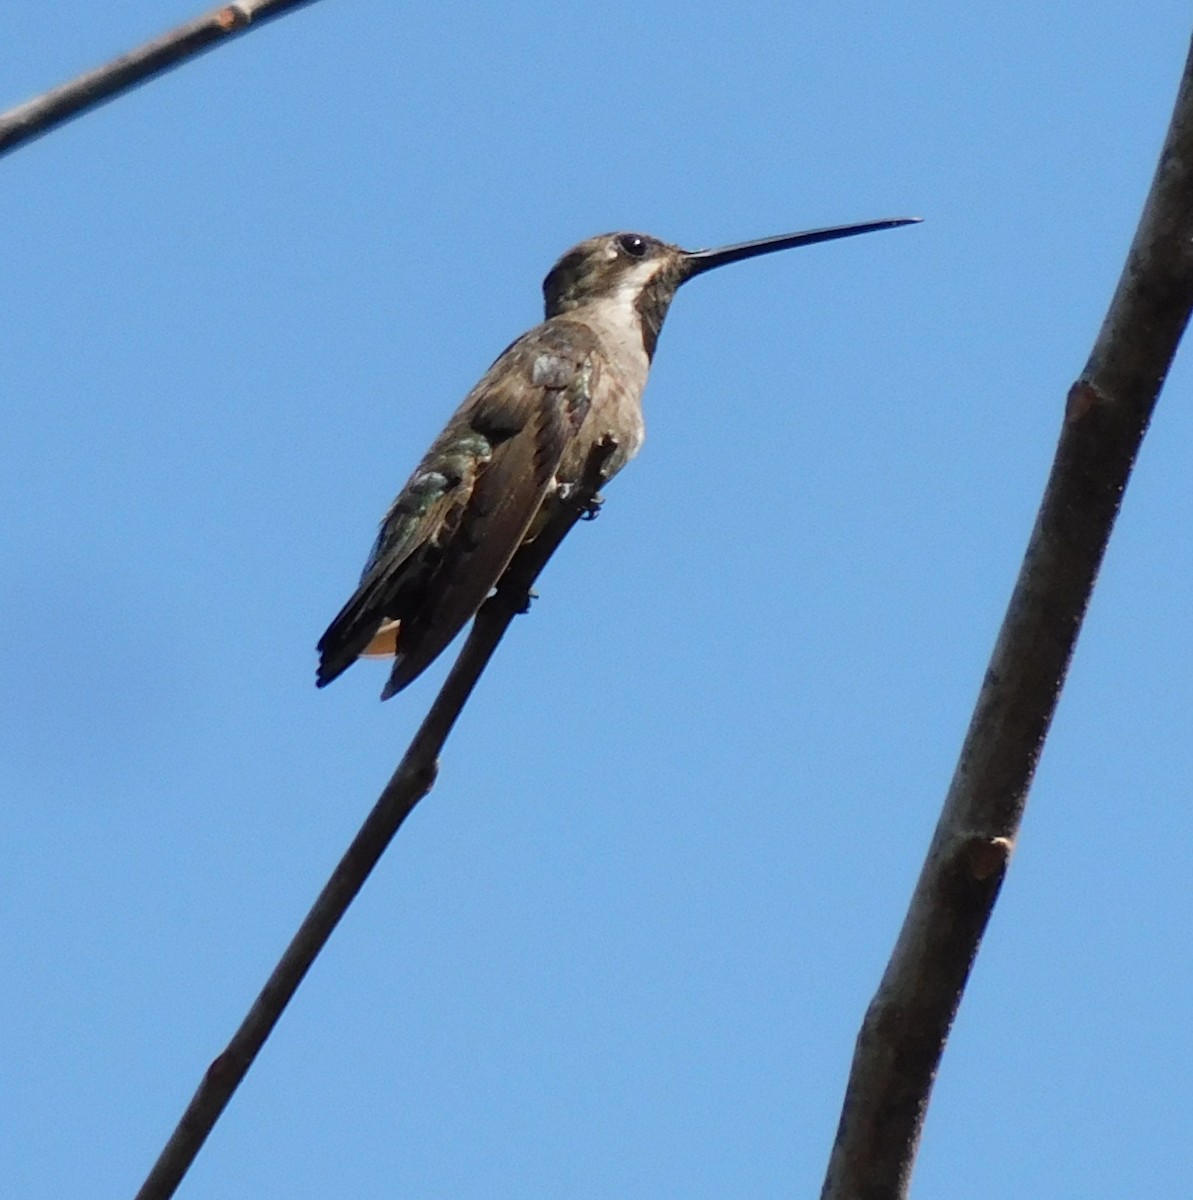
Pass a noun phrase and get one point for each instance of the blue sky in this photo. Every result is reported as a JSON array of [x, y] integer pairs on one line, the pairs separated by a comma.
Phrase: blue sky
[[624, 947]]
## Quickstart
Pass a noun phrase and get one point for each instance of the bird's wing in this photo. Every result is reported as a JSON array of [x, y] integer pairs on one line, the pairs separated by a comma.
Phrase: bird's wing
[[463, 513]]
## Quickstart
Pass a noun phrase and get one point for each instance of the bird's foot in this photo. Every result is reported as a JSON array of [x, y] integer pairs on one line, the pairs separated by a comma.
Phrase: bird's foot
[[574, 494]]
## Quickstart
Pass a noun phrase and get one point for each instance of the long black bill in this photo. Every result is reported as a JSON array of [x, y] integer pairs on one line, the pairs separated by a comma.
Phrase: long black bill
[[699, 261]]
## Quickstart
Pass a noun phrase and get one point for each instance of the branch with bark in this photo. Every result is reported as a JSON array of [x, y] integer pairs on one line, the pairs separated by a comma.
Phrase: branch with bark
[[87, 91], [413, 779], [1105, 418]]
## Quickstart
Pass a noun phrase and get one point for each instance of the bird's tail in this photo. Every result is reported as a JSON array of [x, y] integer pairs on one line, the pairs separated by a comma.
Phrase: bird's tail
[[358, 628]]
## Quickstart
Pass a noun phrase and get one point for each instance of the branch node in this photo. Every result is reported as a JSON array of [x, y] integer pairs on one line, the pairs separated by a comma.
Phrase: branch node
[[1083, 398], [232, 16], [219, 1068], [985, 857], [417, 777]]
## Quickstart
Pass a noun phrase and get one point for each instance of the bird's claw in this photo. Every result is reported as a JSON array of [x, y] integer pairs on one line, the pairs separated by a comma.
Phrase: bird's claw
[[589, 509]]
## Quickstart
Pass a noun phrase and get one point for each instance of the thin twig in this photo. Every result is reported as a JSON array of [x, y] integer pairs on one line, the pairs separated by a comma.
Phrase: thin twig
[[45, 112], [1106, 415], [411, 781]]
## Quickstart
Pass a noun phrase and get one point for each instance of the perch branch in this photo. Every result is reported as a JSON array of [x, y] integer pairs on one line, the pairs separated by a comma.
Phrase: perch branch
[[413, 779], [1105, 418], [45, 112]]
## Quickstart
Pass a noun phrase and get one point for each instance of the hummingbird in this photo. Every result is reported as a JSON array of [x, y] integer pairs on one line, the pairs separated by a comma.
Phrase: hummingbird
[[520, 440]]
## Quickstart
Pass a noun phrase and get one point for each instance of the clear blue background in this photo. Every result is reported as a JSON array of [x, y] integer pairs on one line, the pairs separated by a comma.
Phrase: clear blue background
[[624, 947]]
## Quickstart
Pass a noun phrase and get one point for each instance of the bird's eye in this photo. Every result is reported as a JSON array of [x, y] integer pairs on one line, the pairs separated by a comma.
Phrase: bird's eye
[[633, 244]]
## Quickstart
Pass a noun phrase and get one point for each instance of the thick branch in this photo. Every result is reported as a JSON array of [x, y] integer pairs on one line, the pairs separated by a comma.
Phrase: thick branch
[[412, 780], [41, 114], [1106, 416]]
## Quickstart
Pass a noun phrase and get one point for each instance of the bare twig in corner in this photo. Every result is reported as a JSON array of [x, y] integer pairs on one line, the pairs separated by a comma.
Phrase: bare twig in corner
[[1106, 416], [41, 114], [411, 781]]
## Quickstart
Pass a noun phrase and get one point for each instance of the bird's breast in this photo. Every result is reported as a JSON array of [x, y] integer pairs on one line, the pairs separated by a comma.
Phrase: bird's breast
[[615, 410]]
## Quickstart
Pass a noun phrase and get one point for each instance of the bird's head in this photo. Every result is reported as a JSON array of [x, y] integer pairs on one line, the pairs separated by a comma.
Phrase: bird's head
[[635, 269]]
